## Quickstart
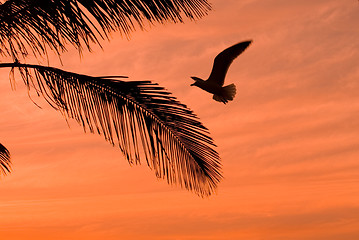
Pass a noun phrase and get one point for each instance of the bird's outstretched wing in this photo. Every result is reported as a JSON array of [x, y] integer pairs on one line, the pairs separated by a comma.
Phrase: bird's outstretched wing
[[224, 59]]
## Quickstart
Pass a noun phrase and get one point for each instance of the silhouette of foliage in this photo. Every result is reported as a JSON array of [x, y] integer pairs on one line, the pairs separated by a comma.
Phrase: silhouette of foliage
[[4, 160], [141, 118], [42, 23]]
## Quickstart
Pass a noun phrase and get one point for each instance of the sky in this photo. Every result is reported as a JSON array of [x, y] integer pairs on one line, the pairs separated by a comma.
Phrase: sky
[[289, 142]]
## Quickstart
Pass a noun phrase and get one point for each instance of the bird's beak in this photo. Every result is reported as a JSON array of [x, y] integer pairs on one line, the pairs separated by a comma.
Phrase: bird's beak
[[193, 84]]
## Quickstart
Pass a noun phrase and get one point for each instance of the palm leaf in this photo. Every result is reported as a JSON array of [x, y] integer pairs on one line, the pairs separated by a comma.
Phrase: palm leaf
[[4, 160], [51, 24], [139, 117]]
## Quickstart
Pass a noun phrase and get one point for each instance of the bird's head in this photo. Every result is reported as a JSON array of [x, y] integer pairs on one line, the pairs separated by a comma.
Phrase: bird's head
[[197, 80]]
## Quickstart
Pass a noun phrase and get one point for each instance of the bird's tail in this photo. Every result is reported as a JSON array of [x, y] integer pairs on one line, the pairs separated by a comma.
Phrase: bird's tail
[[227, 94]]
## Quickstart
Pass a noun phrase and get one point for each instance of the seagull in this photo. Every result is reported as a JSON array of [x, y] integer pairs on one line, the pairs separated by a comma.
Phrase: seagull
[[214, 84]]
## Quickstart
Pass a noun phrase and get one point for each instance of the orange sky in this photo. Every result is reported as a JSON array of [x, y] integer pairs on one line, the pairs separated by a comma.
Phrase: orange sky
[[289, 142]]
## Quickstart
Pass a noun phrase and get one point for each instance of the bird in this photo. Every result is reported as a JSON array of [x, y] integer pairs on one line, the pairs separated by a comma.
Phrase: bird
[[214, 83]]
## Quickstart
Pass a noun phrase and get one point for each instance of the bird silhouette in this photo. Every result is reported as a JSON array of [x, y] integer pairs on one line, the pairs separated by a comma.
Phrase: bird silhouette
[[215, 81]]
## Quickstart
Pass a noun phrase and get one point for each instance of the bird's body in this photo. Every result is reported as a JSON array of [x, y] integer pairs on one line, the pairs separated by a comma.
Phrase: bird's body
[[209, 86], [214, 83]]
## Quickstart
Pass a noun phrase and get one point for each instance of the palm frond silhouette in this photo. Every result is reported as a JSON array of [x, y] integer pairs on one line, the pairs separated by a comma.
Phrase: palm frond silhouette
[[144, 120], [4, 160], [42, 24], [140, 117]]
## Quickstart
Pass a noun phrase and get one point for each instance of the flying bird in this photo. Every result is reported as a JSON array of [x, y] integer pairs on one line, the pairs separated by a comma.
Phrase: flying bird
[[214, 84]]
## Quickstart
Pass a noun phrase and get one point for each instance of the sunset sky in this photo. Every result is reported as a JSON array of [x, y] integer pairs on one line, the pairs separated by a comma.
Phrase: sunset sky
[[289, 142]]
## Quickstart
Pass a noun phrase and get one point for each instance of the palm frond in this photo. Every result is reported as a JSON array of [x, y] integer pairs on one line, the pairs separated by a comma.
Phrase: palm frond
[[141, 118], [4, 160], [41, 24]]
